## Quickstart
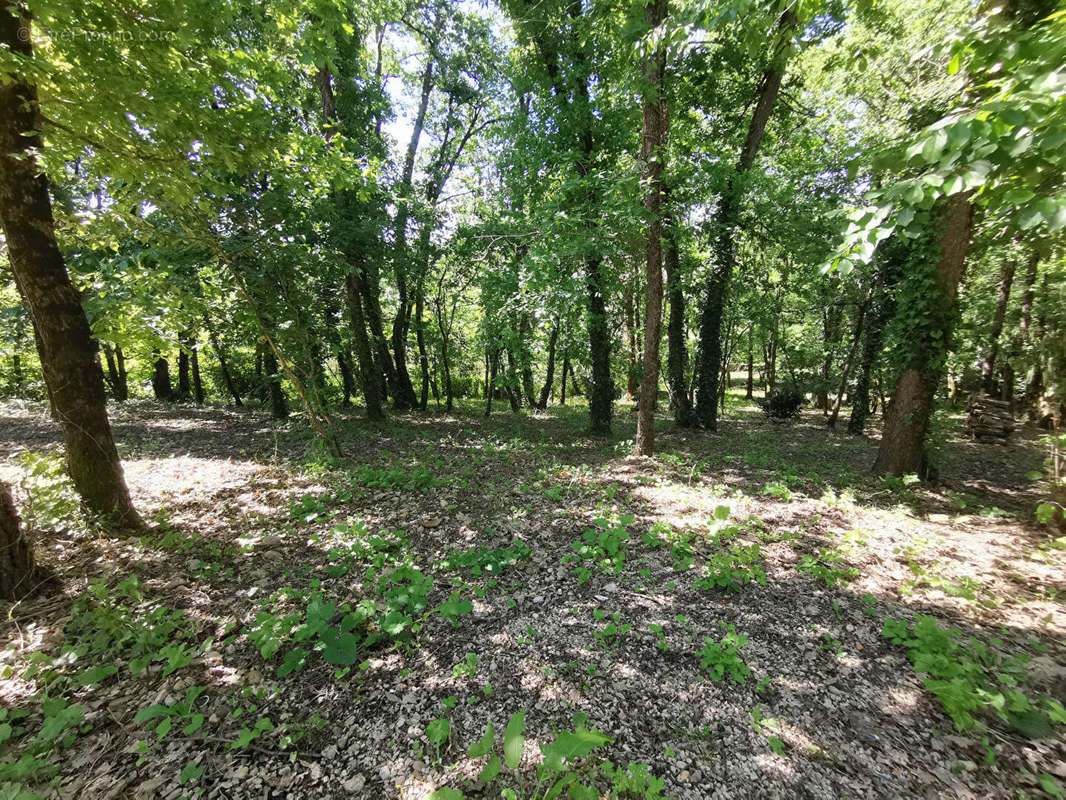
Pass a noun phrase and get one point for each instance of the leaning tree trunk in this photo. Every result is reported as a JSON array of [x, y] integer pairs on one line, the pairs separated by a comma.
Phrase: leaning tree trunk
[[279, 407], [902, 449], [18, 570], [727, 218], [845, 371], [65, 344], [656, 126], [988, 367]]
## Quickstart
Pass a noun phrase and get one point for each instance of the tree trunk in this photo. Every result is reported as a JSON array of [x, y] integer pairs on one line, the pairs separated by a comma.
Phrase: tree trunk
[[677, 353], [856, 338], [491, 361], [445, 356], [513, 394], [988, 366], [116, 373], [907, 420], [403, 392], [562, 387], [66, 347], [716, 292], [883, 307], [655, 129], [420, 338], [223, 366], [749, 385], [279, 407], [162, 389], [19, 576], [184, 380], [549, 375], [197, 380], [629, 312], [525, 333], [368, 375]]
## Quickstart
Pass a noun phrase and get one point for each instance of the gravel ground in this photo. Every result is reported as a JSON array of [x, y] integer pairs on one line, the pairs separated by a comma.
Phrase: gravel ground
[[842, 712]]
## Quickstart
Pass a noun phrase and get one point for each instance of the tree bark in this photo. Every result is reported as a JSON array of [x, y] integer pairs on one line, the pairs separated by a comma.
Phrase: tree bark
[[727, 217], [988, 366], [902, 449], [677, 352], [368, 375], [162, 389], [562, 387], [65, 344], [184, 380], [279, 407], [845, 371], [549, 375], [655, 129], [197, 380], [19, 576]]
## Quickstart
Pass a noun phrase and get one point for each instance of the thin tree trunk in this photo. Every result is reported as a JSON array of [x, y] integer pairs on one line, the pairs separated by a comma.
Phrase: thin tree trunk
[[716, 292], [856, 339], [749, 386], [549, 375], [197, 380], [883, 307], [562, 388], [403, 392], [184, 380], [513, 394], [988, 366], [902, 449], [420, 338], [227, 378], [655, 129], [66, 347], [491, 361], [677, 353]]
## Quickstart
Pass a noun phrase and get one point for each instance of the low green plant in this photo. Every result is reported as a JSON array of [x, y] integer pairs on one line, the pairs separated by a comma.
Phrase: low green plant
[[613, 630], [565, 768], [602, 547], [777, 489], [829, 566], [479, 561], [970, 677], [722, 658], [49, 501], [730, 569], [466, 668]]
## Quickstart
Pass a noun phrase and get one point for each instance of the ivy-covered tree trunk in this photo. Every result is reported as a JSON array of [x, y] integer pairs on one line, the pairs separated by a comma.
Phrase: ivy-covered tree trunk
[[726, 220], [988, 365], [902, 449], [65, 344], [19, 576], [549, 374], [655, 129], [676, 351], [849, 361]]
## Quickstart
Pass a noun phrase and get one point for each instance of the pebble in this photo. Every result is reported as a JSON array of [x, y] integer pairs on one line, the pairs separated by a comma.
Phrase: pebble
[[354, 784]]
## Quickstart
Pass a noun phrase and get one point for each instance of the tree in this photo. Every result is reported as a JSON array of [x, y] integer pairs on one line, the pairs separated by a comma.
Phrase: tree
[[66, 347], [652, 151]]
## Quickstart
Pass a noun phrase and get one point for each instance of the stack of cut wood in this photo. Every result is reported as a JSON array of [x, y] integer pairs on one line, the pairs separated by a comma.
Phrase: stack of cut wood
[[990, 420]]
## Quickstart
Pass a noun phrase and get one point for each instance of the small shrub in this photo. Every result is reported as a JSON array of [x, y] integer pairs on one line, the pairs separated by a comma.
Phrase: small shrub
[[722, 658], [782, 403]]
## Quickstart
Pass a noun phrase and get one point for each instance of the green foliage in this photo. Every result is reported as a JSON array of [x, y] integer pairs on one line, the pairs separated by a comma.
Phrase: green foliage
[[971, 677], [733, 568], [481, 561], [50, 502], [602, 547], [418, 479], [722, 658], [613, 629], [782, 403], [829, 566]]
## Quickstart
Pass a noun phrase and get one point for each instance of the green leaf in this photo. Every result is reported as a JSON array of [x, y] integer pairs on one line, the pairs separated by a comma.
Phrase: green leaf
[[1051, 786], [294, 661], [191, 772], [483, 745], [341, 649], [438, 731], [446, 793], [151, 712], [491, 770], [571, 746], [721, 513], [514, 740]]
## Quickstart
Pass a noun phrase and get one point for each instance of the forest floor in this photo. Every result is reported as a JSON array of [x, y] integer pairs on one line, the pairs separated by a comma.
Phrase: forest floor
[[444, 570]]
